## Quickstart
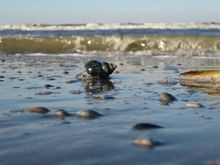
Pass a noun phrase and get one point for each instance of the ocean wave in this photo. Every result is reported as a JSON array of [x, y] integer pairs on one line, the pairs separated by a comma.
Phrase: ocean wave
[[153, 45], [104, 26]]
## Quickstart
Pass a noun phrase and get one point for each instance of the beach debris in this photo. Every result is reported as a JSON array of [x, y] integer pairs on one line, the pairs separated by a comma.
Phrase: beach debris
[[62, 113], [42, 110], [88, 114], [97, 70], [166, 98], [201, 78], [194, 105], [144, 126]]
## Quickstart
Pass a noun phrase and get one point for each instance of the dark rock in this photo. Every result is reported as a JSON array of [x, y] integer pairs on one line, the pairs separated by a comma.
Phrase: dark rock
[[167, 98], [42, 110], [44, 93], [88, 114], [62, 113], [48, 86], [144, 126]]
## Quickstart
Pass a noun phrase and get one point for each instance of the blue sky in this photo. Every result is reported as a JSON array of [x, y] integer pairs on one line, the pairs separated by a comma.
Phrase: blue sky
[[108, 11]]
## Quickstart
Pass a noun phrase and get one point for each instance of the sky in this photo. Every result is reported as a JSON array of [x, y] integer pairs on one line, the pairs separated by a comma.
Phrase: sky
[[108, 11]]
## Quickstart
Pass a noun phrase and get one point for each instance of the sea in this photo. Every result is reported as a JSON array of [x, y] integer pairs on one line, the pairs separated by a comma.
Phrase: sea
[[185, 39]]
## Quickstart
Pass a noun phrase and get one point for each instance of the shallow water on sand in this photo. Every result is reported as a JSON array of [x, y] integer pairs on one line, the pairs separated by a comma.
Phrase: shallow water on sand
[[131, 96]]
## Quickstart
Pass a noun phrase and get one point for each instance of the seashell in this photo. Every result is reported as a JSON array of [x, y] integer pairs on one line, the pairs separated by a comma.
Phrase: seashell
[[97, 70], [94, 68], [201, 78]]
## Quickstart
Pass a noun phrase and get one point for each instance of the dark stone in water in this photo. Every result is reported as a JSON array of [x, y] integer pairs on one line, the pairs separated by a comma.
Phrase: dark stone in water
[[143, 126], [44, 93], [62, 113], [88, 114], [76, 92], [71, 81], [2, 76], [146, 143], [42, 110], [48, 86], [167, 98]]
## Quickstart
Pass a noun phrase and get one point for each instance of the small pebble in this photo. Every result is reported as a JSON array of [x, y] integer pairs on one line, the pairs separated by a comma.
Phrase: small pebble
[[194, 105], [76, 92], [143, 126], [44, 93], [88, 114], [48, 86], [62, 113], [2, 76], [38, 110], [71, 81], [144, 142], [167, 98], [167, 82]]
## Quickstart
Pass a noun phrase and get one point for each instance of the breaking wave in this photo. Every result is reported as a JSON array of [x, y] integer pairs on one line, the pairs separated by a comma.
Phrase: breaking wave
[[147, 38], [179, 45]]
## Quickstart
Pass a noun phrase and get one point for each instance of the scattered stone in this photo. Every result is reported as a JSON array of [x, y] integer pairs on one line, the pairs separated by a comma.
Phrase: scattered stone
[[154, 67], [51, 79], [44, 93], [62, 113], [167, 82], [106, 97], [144, 142], [166, 98], [144, 126], [42, 110], [71, 81], [48, 86], [194, 105], [65, 72], [76, 92], [2, 76], [88, 114]]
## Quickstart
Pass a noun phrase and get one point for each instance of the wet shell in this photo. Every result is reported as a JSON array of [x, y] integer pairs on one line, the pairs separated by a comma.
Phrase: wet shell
[[201, 78], [96, 69]]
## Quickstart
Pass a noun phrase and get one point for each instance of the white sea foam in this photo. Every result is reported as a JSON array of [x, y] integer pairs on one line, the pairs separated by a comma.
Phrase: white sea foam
[[94, 26]]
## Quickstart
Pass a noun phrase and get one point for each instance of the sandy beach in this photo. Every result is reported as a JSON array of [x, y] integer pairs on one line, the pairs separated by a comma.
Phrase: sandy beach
[[132, 95]]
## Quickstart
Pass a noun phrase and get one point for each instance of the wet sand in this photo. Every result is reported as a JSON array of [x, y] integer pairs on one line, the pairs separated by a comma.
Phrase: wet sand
[[131, 96]]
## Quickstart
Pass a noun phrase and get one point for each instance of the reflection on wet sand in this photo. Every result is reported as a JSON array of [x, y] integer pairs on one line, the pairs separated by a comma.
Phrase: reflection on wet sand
[[98, 86]]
